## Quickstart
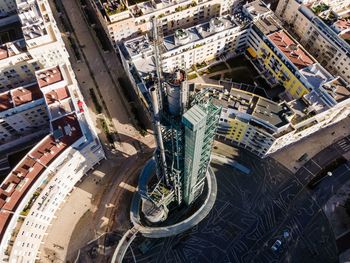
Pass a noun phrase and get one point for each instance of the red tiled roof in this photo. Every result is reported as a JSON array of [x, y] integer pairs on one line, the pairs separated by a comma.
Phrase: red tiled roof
[[343, 23], [24, 95], [291, 49], [49, 77], [4, 220], [47, 150], [15, 186], [57, 94], [3, 52], [5, 101]]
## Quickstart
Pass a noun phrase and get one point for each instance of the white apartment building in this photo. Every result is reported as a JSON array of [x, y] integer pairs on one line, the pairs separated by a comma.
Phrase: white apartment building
[[47, 101], [33, 42], [123, 19], [204, 42], [36, 45], [225, 35], [317, 37], [32, 192], [23, 116], [341, 7]]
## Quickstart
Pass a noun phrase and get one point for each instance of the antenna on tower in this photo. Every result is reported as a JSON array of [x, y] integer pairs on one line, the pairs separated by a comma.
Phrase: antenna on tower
[[157, 104]]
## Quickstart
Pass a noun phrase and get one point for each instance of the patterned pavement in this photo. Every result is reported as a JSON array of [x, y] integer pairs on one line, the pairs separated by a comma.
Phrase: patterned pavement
[[250, 214]]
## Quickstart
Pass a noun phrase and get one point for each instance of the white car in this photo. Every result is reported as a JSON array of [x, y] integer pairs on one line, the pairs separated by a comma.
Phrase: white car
[[276, 246]]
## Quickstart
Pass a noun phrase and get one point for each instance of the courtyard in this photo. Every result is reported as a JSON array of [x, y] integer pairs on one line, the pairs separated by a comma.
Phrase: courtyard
[[234, 71]]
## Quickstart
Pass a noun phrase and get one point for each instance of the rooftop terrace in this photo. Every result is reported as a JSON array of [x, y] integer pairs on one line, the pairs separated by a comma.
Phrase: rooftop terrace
[[316, 75], [291, 49], [257, 8], [202, 31], [256, 106], [343, 24]]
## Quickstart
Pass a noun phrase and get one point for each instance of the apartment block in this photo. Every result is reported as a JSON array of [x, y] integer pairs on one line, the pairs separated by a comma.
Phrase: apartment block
[[251, 121], [220, 36], [23, 116], [316, 36], [263, 126], [39, 99], [30, 40], [39, 183], [123, 19], [313, 97]]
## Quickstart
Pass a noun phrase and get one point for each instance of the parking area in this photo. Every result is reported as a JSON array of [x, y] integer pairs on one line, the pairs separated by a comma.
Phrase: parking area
[[313, 144]]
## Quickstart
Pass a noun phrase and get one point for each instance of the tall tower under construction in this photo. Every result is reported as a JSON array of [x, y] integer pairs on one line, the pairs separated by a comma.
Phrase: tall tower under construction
[[184, 123]]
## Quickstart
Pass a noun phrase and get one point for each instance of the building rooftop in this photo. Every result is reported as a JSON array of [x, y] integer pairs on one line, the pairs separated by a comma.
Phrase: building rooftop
[[12, 48], [66, 129], [49, 76], [138, 46], [343, 24], [3, 52], [5, 101], [257, 8], [194, 116], [113, 7], [19, 96], [291, 49], [190, 35], [61, 108], [57, 95], [256, 106], [316, 75], [338, 89], [26, 94], [32, 21], [268, 24]]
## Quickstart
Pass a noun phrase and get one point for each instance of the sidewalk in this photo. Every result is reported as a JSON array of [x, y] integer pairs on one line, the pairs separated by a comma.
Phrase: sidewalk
[[311, 145], [104, 68]]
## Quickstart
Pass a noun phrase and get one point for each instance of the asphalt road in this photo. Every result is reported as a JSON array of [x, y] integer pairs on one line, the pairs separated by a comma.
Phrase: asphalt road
[[317, 163]]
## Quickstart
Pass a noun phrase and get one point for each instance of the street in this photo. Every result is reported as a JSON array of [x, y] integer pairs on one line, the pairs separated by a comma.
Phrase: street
[[91, 209]]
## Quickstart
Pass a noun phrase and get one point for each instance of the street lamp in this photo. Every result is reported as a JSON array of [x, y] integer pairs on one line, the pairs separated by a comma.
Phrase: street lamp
[[329, 173]]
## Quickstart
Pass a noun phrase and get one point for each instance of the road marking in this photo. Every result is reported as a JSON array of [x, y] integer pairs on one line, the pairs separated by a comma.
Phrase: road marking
[[127, 187]]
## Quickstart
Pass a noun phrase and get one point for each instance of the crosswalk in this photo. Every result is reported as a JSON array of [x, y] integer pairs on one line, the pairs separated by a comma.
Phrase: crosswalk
[[344, 144]]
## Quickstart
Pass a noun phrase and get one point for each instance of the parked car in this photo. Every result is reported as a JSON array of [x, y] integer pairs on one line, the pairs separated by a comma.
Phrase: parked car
[[276, 246]]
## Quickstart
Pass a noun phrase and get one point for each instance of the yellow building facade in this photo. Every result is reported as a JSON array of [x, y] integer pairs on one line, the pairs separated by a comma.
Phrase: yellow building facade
[[281, 72]]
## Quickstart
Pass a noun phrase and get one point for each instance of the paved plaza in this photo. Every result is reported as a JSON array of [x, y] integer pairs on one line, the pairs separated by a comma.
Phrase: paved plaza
[[251, 212]]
